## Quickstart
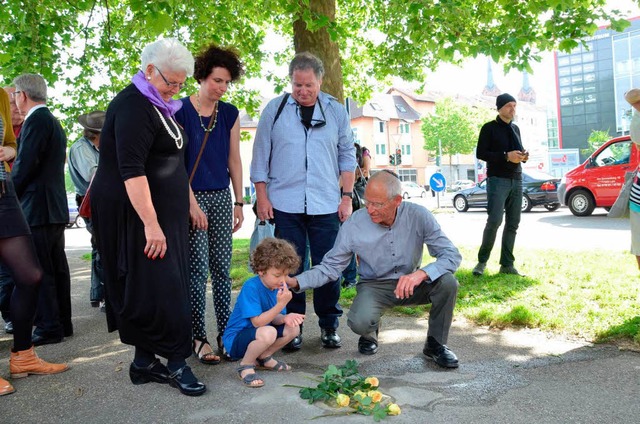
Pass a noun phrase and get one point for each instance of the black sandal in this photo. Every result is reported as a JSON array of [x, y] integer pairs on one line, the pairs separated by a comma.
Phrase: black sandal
[[206, 358], [222, 351]]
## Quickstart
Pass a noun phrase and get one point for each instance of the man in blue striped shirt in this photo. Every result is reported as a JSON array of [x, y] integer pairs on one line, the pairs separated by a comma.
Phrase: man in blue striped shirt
[[303, 149]]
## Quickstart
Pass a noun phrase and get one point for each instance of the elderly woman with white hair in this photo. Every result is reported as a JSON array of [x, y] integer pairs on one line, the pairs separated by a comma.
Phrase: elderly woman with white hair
[[140, 209]]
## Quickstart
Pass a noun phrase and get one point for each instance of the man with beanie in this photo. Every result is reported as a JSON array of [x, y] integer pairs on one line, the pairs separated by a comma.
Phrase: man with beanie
[[499, 145], [83, 163]]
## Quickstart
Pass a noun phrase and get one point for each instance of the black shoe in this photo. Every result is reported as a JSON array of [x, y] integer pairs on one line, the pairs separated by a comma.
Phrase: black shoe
[[442, 355], [39, 340], [184, 380], [330, 338], [294, 345], [8, 327], [95, 303], [367, 346], [156, 372], [348, 284]]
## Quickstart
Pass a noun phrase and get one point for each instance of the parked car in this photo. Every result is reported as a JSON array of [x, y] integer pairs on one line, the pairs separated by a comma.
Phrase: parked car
[[597, 181], [411, 189], [74, 218], [538, 189], [462, 184]]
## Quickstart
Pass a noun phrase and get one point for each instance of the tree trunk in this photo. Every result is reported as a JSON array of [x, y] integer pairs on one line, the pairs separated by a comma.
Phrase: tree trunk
[[319, 44]]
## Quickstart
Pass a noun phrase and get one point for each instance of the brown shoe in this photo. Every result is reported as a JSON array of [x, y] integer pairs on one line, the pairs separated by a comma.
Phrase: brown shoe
[[27, 362], [5, 387]]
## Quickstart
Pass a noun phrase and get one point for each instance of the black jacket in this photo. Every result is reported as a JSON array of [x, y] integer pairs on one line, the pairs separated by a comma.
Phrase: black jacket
[[38, 171], [496, 138]]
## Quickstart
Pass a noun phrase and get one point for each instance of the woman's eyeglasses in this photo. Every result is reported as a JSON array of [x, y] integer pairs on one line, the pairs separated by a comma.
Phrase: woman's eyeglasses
[[177, 85]]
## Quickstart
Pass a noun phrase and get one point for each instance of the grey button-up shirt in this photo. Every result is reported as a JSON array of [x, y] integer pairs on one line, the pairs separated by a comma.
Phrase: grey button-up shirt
[[386, 253], [302, 166]]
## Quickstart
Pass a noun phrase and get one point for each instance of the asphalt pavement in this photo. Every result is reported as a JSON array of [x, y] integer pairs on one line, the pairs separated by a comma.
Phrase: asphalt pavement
[[504, 377]]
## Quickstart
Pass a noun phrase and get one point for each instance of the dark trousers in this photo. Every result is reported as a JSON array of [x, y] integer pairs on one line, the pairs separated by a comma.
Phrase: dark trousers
[[504, 197], [375, 297], [350, 273], [6, 289], [53, 316], [321, 230]]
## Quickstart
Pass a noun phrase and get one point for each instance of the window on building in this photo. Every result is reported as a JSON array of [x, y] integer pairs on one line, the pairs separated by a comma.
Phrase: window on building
[[381, 126], [381, 149], [408, 175], [375, 106], [354, 133], [404, 128], [401, 108], [406, 149]]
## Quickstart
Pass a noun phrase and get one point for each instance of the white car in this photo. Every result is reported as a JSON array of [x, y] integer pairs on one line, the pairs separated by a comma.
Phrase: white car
[[411, 189], [462, 184]]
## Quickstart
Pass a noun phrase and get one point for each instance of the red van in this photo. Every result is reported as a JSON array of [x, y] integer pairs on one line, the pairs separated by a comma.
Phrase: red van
[[597, 182]]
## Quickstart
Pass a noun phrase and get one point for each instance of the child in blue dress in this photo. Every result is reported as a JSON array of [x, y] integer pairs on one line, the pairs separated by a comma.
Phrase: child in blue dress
[[259, 325]]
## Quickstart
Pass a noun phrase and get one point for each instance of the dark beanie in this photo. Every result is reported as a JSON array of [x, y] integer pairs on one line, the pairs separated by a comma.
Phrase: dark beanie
[[503, 99]]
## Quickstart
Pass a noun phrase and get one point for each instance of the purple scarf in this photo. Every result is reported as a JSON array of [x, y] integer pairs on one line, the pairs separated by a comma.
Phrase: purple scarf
[[153, 95]]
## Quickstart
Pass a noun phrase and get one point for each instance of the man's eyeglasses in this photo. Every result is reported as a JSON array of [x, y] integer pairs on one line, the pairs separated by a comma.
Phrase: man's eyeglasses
[[15, 93], [177, 85], [374, 205], [314, 123]]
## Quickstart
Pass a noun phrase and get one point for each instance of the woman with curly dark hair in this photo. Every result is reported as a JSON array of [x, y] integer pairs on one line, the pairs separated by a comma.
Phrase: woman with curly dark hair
[[213, 161]]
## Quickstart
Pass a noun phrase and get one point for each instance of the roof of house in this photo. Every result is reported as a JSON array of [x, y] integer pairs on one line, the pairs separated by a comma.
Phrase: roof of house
[[384, 107]]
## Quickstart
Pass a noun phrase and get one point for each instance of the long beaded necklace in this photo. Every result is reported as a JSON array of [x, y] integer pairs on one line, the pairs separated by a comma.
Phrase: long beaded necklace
[[215, 115], [176, 138]]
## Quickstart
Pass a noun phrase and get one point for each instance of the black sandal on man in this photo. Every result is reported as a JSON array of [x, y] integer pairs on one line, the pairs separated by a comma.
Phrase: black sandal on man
[[209, 358]]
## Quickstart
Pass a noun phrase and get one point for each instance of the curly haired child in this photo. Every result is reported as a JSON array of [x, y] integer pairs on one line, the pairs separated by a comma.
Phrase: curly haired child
[[259, 325]]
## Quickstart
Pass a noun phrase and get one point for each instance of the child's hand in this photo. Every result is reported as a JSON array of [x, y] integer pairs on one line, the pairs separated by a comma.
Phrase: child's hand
[[284, 295], [293, 320]]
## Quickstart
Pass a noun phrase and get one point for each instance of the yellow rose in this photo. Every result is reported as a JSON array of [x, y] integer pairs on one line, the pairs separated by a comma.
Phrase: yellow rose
[[342, 400], [393, 409], [359, 395], [375, 396], [373, 381]]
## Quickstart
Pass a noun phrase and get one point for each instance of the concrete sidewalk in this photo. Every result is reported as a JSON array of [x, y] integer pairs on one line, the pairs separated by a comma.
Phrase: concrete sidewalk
[[504, 377]]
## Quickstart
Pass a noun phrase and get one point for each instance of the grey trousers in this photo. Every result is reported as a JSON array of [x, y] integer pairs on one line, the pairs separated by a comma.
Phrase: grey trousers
[[374, 297]]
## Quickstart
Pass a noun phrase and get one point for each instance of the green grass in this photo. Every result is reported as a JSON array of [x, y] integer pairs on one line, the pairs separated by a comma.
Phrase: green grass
[[594, 295]]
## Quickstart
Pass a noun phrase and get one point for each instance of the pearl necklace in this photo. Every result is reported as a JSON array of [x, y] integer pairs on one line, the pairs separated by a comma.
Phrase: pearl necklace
[[215, 115], [176, 138]]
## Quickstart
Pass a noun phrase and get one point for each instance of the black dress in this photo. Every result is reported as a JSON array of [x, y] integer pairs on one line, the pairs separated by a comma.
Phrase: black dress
[[12, 220], [147, 300]]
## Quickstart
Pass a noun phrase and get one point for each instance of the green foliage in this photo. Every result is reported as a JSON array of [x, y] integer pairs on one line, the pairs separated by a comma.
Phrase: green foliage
[[91, 48], [240, 263], [596, 139]]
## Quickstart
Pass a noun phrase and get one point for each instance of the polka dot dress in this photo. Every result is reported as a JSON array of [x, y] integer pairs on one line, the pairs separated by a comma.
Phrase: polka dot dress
[[210, 255]]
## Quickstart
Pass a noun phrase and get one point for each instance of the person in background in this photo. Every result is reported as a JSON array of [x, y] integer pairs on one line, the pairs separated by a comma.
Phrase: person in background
[[633, 98], [19, 257], [389, 239], [259, 325], [499, 145], [299, 159], [6, 282], [38, 176], [83, 162], [363, 156], [220, 165], [17, 117], [140, 211]]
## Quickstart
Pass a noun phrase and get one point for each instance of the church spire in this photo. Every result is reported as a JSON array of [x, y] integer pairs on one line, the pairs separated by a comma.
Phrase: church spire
[[527, 93], [490, 89]]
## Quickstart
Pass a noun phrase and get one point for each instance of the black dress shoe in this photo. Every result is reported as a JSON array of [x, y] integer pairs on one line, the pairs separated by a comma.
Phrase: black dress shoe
[[39, 340], [367, 346], [8, 327], [154, 372], [184, 380], [442, 355], [294, 345], [330, 338]]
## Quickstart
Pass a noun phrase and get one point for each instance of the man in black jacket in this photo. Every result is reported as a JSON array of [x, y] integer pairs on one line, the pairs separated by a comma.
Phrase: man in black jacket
[[38, 175], [499, 145]]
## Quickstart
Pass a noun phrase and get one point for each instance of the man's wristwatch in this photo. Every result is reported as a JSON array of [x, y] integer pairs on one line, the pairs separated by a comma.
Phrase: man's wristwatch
[[349, 194]]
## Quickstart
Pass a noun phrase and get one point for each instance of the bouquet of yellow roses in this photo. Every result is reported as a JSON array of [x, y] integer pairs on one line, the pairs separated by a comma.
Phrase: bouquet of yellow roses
[[343, 386]]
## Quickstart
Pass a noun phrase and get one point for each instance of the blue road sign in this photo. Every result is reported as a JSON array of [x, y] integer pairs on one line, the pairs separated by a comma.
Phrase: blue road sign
[[437, 182]]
